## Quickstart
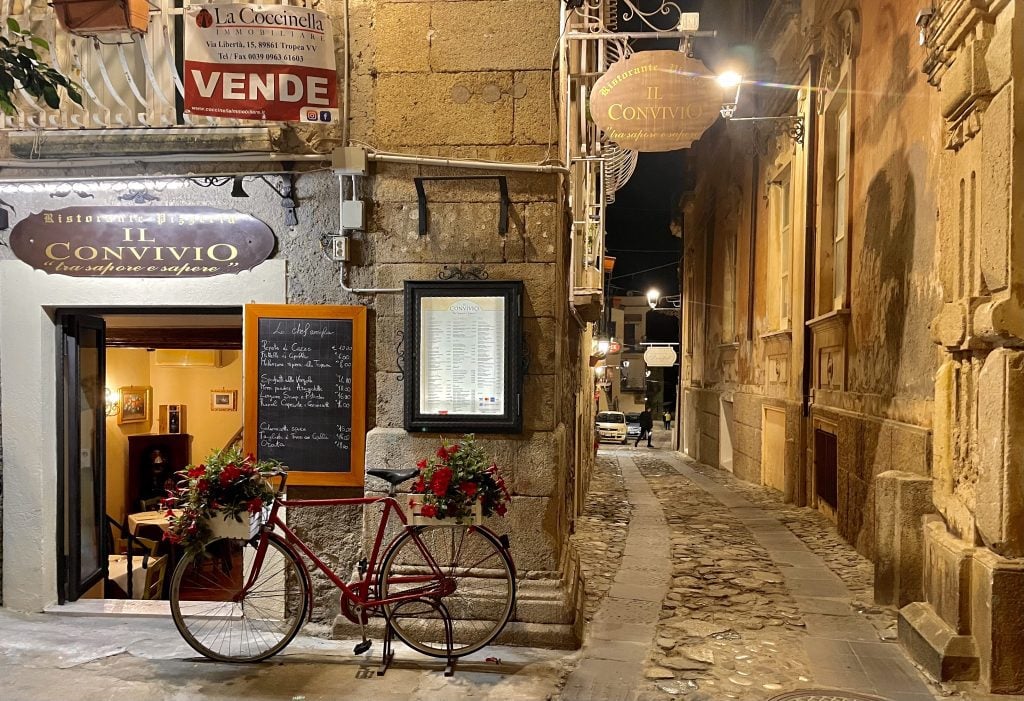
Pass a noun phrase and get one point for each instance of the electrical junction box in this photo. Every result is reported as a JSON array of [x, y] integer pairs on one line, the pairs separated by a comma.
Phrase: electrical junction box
[[349, 160], [353, 215]]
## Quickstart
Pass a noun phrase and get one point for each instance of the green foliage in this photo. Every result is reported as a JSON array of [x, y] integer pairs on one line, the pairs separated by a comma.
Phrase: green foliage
[[227, 483], [22, 67], [457, 476]]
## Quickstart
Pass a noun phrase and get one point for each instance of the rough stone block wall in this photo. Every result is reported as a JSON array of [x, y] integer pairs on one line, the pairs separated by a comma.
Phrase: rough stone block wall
[[746, 446], [867, 448]]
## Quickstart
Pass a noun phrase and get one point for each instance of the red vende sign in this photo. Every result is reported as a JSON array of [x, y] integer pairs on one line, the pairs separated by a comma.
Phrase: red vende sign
[[264, 62]]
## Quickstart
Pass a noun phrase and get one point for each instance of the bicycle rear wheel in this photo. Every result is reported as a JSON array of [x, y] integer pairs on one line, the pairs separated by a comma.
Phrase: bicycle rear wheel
[[224, 623], [478, 577]]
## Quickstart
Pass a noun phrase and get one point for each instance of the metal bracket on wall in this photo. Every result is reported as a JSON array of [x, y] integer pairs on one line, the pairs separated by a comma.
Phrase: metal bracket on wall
[[421, 197]]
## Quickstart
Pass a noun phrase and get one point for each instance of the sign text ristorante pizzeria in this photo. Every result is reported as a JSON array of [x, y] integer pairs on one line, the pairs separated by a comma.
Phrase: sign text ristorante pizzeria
[[142, 241]]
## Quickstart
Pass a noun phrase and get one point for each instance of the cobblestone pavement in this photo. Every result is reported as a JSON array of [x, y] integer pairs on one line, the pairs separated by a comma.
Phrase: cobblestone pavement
[[601, 532], [728, 629], [764, 598]]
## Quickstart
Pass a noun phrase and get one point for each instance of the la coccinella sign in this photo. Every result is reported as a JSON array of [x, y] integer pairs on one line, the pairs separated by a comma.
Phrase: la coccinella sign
[[264, 62]]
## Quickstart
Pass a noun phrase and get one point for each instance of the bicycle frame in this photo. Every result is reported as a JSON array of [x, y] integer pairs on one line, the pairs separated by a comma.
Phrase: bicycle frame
[[357, 594]]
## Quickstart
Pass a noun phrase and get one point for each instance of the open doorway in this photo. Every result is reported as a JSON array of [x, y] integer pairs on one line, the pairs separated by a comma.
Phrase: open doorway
[[164, 391]]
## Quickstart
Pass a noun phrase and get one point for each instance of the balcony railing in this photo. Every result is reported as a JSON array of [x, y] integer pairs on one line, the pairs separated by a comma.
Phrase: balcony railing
[[128, 80]]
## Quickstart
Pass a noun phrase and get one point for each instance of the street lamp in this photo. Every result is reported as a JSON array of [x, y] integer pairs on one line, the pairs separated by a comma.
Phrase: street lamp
[[652, 297]]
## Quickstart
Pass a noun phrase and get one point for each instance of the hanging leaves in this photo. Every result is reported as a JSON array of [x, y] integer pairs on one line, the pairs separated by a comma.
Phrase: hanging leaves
[[21, 67]]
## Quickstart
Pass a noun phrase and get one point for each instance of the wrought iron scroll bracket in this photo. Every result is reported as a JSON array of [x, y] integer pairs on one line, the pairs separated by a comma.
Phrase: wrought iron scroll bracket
[[454, 272], [421, 197]]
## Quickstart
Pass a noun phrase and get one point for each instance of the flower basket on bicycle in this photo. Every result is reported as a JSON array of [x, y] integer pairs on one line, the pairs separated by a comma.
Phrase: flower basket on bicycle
[[223, 524], [475, 517], [222, 497], [458, 485]]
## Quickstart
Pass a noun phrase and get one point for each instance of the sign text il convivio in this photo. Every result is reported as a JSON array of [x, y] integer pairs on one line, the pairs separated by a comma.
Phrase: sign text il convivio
[[655, 101], [141, 241]]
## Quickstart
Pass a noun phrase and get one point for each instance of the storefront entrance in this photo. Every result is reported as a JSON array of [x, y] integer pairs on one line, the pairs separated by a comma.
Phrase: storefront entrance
[[57, 359], [145, 393]]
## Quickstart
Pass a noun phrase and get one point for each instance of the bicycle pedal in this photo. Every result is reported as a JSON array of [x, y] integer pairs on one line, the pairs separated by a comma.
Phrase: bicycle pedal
[[362, 647]]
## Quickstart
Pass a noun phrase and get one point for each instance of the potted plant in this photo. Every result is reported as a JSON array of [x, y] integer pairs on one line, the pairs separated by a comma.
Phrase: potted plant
[[223, 497], [459, 483], [90, 17], [22, 67]]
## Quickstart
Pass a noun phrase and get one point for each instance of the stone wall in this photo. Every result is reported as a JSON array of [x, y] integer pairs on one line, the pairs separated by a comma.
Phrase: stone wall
[[436, 78]]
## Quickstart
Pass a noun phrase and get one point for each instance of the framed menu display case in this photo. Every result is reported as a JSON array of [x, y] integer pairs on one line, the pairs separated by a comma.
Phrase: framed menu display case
[[464, 352]]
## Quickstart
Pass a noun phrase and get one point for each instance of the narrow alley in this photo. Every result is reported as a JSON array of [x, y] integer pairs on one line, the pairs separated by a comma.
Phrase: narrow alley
[[726, 593]]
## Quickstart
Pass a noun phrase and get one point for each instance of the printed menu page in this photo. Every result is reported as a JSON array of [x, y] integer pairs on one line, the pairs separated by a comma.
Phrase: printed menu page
[[462, 355]]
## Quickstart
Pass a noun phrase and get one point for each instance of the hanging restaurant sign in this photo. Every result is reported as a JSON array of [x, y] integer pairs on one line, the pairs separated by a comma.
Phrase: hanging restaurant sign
[[266, 62], [141, 241], [655, 101]]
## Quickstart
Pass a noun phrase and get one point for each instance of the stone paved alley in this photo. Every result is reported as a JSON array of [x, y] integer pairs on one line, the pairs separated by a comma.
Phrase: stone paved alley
[[701, 588], [761, 597]]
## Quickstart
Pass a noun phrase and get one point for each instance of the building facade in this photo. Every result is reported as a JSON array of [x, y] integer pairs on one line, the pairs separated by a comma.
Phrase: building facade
[[428, 93], [851, 324]]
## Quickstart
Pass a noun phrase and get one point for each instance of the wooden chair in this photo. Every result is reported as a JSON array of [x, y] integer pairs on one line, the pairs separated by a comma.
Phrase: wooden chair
[[129, 553]]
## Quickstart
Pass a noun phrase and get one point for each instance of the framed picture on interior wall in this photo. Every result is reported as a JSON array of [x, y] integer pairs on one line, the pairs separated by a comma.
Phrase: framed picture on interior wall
[[134, 406], [224, 400]]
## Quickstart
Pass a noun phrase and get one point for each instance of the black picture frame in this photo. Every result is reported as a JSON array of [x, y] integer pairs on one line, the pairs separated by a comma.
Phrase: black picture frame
[[511, 419]]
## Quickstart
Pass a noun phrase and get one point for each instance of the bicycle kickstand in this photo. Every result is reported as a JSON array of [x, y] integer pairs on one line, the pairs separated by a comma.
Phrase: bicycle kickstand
[[388, 653]]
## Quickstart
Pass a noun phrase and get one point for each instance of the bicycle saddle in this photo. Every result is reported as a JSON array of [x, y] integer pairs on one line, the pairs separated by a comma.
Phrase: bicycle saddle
[[393, 477]]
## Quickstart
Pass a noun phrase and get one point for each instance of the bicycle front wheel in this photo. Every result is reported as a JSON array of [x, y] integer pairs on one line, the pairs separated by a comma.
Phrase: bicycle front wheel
[[477, 587], [225, 621]]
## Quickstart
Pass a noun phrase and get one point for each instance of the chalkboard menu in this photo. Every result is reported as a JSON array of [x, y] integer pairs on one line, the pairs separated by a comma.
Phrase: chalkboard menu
[[305, 399]]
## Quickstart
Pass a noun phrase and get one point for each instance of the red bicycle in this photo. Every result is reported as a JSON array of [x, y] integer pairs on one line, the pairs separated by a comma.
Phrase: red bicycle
[[446, 591]]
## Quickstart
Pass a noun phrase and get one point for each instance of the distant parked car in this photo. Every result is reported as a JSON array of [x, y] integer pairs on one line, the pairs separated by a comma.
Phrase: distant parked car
[[611, 426], [633, 424]]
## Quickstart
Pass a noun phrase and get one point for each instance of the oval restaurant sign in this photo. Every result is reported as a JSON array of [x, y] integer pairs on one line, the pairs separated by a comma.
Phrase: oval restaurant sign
[[141, 241], [655, 101]]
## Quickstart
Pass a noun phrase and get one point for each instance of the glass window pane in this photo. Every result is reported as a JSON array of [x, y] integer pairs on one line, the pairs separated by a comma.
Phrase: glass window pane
[[91, 398]]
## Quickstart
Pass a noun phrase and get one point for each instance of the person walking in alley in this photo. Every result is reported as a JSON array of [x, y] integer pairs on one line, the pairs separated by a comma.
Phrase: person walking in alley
[[646, 426], [667, 418]]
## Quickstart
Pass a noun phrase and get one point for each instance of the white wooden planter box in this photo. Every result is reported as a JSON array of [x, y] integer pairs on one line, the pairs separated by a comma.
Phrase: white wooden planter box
[[475, 519], [225, 526]]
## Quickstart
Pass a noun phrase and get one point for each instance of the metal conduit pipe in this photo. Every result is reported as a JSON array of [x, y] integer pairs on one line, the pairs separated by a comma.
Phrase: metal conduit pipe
[[243, 157], [385, 157], [343, 265]]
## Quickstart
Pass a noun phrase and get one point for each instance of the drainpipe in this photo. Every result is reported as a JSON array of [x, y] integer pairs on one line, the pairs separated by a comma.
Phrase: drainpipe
[[800, 496]]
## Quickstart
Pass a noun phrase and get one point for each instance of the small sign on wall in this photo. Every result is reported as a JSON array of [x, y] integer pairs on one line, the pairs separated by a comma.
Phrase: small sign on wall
[[465, 356]]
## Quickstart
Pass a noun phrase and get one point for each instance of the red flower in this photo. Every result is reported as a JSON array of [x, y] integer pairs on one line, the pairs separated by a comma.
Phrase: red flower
[[428, 510], [442, 454], [422, 464], [230, 474], [453, 450], [468, 488], [197, 471], [440, 481], [501, 509], [254, 505], [202, 485], [420, 486]]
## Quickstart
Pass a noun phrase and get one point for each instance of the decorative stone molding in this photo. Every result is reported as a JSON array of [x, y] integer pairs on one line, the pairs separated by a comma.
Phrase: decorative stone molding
[[829, 333], [840, 43], [957, 37]]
